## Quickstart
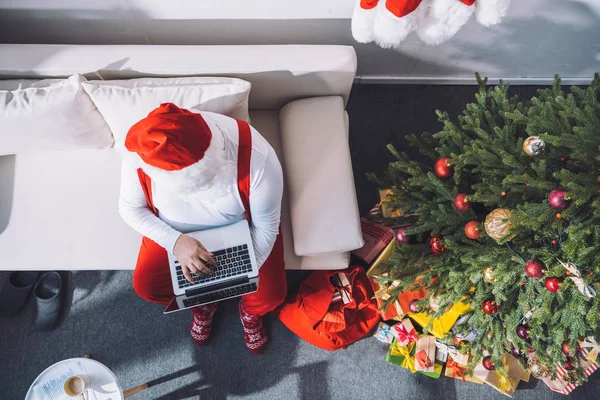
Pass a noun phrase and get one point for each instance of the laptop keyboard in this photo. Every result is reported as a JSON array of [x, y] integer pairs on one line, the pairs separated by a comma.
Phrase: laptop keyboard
[[231, 262], [221, 295]]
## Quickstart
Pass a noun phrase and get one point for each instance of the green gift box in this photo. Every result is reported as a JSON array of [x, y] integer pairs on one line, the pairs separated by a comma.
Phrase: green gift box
[[404, 356]]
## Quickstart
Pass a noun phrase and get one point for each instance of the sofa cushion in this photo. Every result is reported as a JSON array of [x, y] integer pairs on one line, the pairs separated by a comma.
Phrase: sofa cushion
[[318, 171], [125, 102], [49, 114], [69, 209], [267, 123]]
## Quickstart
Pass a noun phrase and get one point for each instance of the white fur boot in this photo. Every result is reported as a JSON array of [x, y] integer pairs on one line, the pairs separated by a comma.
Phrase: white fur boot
[[390, 29], [363, 20], [442, 19], [490, 12]]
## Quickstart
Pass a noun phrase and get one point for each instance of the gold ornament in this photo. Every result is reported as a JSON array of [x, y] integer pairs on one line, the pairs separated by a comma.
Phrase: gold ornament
[[536, 368], [571, 378], [488, 275], [533, 146], [490, 335], [497, 224]]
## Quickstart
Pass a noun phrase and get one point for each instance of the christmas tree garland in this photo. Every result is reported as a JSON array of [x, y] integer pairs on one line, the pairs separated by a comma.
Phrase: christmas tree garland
[[507, 216]]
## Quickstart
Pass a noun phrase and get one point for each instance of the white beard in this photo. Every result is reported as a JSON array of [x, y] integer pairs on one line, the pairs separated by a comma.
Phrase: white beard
[[210, 179]]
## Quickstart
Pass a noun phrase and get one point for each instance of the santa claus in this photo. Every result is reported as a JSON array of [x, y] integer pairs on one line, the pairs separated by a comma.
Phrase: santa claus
[[184, 172]]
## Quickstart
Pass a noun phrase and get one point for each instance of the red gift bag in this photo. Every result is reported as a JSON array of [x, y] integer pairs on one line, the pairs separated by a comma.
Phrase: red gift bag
[[313, 316]]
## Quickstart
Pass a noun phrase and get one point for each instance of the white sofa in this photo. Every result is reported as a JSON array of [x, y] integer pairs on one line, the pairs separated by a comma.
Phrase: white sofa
[[58, 210]]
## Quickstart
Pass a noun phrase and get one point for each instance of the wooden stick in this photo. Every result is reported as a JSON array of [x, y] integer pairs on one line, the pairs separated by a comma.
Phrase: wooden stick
[[134, 390]]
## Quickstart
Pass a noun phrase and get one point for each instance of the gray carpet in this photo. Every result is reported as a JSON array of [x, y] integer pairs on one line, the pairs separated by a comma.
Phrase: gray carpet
[[108, 321]]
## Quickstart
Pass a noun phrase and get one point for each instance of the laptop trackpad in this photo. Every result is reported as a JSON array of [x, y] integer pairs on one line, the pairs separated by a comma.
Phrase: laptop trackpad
[[211, 239]]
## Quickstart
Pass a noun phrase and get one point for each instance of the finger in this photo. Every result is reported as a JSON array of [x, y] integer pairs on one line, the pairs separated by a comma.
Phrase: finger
[[194, 267], [186, 273], [204, 255], [203, 268]]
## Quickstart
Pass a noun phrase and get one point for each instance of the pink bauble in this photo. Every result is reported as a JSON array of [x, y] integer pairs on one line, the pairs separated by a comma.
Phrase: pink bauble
[[557, 199], [401, 237]]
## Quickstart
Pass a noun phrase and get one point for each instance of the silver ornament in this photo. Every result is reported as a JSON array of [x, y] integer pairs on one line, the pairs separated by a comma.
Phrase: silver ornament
[[533, 146]]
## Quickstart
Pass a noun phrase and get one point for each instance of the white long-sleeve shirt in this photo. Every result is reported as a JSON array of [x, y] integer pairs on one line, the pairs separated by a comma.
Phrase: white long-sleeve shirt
[[177, 216]]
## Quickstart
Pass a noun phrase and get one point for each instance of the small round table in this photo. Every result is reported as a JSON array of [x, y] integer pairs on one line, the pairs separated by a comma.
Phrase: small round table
[[103, 383]]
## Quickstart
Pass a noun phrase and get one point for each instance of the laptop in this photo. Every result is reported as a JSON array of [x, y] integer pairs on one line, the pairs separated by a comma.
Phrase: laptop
[[235, 274]]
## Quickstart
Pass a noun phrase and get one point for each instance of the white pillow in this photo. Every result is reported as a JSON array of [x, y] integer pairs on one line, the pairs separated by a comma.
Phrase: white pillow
[[125, 102], [50, 114]]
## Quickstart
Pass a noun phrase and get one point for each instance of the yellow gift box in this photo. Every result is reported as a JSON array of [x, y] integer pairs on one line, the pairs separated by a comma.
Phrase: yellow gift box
[[442, 325], [376, 267], [386, 209]]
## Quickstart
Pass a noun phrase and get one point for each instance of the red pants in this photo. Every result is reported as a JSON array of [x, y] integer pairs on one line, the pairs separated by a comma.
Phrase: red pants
[[152, 278]]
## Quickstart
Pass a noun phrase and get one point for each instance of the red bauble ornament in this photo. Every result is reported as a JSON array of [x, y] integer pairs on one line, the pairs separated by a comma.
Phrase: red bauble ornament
[[471, 230], [461, 203], [557, 199], [443, 169], [487, 363], [523, 332], [567, 352], [401, 237], [489, 306], [436, 244], [552, 283], [535, 268], [569, 366]]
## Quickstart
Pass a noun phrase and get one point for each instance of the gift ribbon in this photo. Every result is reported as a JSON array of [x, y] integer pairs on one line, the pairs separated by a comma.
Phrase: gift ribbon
[[445, 349], [404, 335], [408, 362], [506, 384], [423, 360], [590, 343], [457, 370], [385, 331], [586, 290], [347, 291]]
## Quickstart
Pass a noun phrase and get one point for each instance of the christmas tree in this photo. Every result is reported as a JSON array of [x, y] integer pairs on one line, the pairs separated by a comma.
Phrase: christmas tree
[[506, 216]]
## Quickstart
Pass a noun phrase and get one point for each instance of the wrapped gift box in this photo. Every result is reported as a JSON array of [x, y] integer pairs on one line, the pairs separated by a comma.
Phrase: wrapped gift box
[[504, 384], [458, 371], [404, 332], [425, 354], [384, 206], [562, 383], [404, 356], [384, 333], [377, 268], [393, 310], [442, 325]]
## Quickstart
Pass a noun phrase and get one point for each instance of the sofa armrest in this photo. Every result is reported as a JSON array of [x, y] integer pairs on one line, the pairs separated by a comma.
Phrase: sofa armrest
[[318, 171]]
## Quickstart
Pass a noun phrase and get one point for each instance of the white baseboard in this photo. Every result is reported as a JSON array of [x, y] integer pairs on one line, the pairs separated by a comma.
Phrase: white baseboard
[[422, 80]]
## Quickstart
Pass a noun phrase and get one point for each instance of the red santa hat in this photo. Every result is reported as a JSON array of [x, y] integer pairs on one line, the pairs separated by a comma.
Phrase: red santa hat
[[170, 138], [181, 150]]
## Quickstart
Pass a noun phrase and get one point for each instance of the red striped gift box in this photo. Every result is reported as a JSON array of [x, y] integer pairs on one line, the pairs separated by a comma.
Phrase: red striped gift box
[[559, 385]]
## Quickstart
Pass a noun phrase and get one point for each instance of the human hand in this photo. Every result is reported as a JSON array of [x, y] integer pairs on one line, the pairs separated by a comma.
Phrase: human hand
[[193, 257]]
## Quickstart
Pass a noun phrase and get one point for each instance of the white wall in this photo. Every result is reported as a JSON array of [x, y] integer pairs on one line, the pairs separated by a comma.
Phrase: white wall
[[536, 40]]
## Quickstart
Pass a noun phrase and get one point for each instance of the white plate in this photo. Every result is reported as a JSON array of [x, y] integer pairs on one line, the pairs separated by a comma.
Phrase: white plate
[[103, 382]]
